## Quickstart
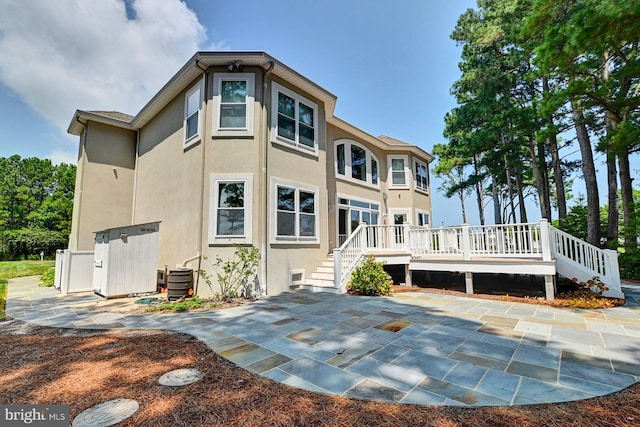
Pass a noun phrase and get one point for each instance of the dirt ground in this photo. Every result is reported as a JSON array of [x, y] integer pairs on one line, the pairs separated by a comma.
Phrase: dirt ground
[[82, 368]]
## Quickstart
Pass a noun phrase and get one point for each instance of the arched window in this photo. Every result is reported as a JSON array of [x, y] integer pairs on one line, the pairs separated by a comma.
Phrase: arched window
[[354, 162]]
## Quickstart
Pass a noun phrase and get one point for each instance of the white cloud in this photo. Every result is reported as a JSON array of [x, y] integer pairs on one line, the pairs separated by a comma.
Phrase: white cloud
[[58, 156], [67, 54]]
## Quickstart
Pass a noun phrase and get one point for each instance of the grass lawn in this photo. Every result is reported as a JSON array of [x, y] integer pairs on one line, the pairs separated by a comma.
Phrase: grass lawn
[[11, 269]]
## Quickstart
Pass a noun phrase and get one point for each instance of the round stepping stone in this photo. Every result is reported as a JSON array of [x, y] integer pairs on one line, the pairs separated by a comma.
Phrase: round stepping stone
[[181, 377], [106, 414]]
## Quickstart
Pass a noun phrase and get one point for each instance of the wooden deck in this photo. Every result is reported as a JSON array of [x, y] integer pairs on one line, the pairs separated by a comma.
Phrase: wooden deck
[[530, 249]]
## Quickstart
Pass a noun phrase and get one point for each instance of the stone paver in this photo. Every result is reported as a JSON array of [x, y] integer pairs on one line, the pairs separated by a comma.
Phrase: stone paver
[[422, 348]]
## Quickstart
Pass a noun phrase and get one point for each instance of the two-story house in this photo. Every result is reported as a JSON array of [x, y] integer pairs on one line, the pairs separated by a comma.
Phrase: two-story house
[[238, 148]]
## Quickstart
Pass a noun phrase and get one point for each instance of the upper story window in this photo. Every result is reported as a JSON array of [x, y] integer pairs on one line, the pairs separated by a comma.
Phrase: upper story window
[[421, 175], [234, 104], [294, 119], [192, 106], [356, 163], [295, 213], [398, 168]]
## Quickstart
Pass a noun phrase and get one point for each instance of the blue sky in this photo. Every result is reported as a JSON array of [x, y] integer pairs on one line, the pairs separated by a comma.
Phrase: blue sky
[[391, 63]]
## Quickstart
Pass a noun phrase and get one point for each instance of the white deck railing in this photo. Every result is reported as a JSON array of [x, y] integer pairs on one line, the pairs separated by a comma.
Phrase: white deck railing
[[579, 259], [504, 241], [348, 256], [574, 257]]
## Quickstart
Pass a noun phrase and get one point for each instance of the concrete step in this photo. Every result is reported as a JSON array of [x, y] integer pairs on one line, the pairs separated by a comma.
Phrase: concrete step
[[323, 276], [318, 288], [324, 269], [319, 282]]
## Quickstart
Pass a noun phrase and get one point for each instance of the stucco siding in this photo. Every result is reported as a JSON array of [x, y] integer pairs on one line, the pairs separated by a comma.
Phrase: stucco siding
[[169, 184], [104, 183]]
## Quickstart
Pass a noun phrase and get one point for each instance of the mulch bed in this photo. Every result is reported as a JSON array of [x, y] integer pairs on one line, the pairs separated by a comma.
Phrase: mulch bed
[[40, 365]]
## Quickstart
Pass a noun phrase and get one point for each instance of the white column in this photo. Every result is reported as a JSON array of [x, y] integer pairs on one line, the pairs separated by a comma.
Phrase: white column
[[545, 239], [549, 287], [468, 281], [466, 242], [407, 276]]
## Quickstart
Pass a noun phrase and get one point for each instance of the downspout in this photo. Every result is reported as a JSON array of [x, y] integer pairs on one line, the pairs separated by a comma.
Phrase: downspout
[[83, 145], [135, 179], [265, 190], [202, 180]]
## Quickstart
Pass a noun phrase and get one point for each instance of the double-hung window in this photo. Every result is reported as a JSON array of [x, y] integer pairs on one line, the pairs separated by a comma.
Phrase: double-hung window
[[230, 209], [192, 115], [355, 163], [422, 218], [294, 119], [398, 167], [234, 104], [422, 175], [295, 217]]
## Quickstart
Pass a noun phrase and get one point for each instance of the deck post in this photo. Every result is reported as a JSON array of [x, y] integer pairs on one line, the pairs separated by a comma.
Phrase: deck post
[[545, 239], [337, 268], [407, 276], [468, 281], [549, 287], [405, 229], [466, 243]]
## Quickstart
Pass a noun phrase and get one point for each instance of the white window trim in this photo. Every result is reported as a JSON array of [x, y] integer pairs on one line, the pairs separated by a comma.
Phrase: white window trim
[[407, 172], [275, 239], [195, 138], [214, 238], [400, 211], [275, 89], [348, 175], [426, 165], [357, 199], [423, 212], [250, 103]]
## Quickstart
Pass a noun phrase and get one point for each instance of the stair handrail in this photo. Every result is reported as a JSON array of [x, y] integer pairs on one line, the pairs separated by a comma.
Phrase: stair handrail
[[593, 261], [353, 249]]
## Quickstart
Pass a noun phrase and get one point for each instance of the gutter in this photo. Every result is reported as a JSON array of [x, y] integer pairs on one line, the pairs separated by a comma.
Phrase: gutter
[[264, 175], [203, 143]]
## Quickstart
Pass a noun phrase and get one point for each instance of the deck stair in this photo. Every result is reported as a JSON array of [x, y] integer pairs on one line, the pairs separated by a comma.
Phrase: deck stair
[[322, 279]]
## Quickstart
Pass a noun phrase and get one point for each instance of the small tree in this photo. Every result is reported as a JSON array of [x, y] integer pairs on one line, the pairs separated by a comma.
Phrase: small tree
[[370, 279], [234, 274]]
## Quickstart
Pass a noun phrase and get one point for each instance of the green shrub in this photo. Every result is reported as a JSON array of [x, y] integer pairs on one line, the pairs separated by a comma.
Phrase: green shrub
[[370, 279], [48, 277], [629, 262], [235, 277], [179, 306]]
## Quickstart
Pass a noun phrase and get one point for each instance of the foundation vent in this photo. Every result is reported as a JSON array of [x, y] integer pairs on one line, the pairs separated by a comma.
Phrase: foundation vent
[[296, 277]]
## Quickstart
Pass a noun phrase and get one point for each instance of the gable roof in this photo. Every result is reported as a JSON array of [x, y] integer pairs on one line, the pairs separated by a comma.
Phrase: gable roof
[[114, 115], [392, 141], [386, 143], [195, 67]]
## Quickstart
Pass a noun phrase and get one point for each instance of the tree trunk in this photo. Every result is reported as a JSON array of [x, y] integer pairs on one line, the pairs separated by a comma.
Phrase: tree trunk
[[626, 190], [538, 177], [479, 192], [509, 189], [558, 177], [612, 200], [542, 165], [497, 215], [464, 210], [520, 191], [589, 173]]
